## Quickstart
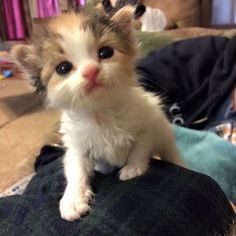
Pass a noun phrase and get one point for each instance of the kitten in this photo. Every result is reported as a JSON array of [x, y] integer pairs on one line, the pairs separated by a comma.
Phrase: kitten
[[84, 63]]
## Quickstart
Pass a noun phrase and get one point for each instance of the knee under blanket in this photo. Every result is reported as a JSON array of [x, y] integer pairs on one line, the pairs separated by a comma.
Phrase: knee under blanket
[[167, 200], [193, 76], [207, 153]]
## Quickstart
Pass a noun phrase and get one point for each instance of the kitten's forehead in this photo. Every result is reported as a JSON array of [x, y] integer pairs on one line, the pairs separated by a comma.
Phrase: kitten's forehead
[[71, 32], [79, 31], [72, 22]]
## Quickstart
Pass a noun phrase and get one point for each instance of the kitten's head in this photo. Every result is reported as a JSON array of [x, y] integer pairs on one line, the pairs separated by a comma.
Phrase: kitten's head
[[81, 59]]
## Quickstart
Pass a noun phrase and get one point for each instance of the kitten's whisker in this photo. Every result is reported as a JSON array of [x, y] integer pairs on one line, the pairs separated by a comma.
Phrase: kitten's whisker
[[161, 95], [73, 101], [149, 85]]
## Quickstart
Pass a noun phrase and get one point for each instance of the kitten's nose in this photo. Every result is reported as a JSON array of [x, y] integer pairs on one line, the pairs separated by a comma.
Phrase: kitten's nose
[[90, 72]]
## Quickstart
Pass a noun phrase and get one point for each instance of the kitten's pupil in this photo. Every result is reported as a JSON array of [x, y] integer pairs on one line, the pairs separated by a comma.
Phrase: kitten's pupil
[[64, 68], [105, 52]]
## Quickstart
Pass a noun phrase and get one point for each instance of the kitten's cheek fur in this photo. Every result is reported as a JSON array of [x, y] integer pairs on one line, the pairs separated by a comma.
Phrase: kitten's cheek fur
[[61, 92], [56, 97]]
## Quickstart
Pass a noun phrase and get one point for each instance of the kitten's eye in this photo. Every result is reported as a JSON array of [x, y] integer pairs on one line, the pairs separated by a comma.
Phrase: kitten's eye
[[105, 52], [64, 68]]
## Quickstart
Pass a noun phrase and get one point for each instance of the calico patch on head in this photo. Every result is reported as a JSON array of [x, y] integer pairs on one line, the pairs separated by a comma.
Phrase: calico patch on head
[[139, 7], [81, 56]]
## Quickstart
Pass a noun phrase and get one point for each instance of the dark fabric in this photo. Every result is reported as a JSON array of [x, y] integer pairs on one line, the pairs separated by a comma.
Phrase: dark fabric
[[193, 76], [167, 200], [223, 122], [225, 114]]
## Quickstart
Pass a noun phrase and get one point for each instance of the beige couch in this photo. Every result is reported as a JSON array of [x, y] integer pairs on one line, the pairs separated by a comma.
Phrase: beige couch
[[24, 128]]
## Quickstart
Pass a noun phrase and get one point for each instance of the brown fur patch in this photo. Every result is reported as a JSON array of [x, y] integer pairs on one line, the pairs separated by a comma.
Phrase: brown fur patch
[[110, 32]]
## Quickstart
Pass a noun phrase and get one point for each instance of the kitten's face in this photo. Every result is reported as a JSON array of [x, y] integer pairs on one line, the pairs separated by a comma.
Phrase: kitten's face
[[82, 59]]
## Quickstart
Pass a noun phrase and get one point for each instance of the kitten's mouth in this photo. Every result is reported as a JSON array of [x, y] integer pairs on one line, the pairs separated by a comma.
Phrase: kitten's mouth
[[92, 86]]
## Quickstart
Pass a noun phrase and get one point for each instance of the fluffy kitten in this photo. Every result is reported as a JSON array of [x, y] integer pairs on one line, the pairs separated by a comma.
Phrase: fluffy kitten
[[84, 63]]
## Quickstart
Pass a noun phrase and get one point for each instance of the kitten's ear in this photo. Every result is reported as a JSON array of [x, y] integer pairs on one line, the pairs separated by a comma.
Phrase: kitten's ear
[[26, 58], [139, 11], [124, 18]]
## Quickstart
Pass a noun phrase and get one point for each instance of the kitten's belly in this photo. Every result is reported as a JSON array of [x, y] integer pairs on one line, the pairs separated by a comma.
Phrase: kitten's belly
[[110, 152], [115, 157]]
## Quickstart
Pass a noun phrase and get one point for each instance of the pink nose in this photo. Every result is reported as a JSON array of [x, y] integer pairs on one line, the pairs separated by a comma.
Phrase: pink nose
[[90, 72]]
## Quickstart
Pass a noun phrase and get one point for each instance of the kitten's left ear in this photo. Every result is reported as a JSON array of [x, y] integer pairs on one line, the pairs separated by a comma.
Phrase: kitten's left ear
[[124, 18]]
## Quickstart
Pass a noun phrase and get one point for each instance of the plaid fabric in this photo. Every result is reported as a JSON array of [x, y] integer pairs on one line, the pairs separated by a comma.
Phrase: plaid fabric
[[18, 188], [167, 200]]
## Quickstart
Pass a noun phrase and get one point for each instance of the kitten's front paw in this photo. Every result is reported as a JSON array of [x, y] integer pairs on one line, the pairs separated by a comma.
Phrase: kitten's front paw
[[130, 171], [73, 207]]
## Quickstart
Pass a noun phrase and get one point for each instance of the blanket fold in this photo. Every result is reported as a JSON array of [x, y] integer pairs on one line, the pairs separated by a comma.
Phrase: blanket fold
[[193, 76]]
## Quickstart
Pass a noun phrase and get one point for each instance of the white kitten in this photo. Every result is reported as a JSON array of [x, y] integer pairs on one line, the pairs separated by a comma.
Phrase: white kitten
[[85, 65]]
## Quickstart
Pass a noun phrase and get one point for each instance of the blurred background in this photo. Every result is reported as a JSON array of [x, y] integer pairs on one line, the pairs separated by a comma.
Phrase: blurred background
[[18, 17]]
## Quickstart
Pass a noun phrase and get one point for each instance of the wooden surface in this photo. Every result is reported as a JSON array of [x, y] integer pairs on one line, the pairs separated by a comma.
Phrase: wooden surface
[[24, 128]]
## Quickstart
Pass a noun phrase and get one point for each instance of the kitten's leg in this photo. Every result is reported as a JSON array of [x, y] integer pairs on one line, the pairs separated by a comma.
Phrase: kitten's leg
[[77, 195], [138, 159], [166, 145], [171, 154]]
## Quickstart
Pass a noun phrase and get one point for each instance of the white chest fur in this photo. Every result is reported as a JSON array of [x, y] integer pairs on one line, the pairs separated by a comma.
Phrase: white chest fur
[[101, 136]]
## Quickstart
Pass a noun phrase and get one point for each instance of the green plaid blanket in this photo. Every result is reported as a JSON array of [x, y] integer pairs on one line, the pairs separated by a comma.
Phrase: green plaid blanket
[[167, 200]]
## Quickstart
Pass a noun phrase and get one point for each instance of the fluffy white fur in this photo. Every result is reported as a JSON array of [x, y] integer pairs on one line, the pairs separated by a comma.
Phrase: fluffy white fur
[[117, 121], [125, 133]]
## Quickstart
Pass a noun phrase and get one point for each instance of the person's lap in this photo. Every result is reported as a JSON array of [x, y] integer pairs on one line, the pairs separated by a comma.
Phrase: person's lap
[[167, 200]]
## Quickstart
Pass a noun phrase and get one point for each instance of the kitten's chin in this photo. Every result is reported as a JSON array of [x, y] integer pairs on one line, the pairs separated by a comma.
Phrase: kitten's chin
[[88, 97]]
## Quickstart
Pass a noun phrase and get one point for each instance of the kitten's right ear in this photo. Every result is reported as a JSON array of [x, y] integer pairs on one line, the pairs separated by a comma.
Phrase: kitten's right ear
[[25, 57]]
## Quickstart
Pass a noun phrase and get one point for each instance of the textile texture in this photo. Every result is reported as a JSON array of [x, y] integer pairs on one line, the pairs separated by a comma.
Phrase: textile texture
[[193, 83], [209, 154], [167, 200]]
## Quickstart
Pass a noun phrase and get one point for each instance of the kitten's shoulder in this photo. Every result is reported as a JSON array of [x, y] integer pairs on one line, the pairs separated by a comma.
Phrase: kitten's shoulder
[[149, 97]]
